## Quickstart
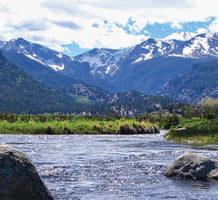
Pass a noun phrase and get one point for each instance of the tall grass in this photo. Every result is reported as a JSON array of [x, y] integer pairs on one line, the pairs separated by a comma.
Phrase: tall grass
[[38, 124], [197, 132]]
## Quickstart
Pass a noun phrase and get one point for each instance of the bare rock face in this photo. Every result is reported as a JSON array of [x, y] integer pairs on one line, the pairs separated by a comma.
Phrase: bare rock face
[[193, 166], [19, 179]]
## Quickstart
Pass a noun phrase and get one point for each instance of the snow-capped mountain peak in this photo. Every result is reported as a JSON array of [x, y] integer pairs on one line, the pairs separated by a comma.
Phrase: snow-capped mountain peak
[[183, 36], [45, 56], [98, 57], [198, 46], [141, 67], [106, 62], [103, 61]]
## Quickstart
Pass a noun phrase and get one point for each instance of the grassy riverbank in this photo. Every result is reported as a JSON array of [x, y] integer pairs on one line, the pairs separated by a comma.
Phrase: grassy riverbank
[[195, 131], [67, 124]]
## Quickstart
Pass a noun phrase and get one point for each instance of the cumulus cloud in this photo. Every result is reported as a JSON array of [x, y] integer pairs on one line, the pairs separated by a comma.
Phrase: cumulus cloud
[[176, 25], [138, 4], [202, 30], [56, 23], [32, 25], [214, 26], [68, 24], [65, 6], [4, 8], [107, 35]]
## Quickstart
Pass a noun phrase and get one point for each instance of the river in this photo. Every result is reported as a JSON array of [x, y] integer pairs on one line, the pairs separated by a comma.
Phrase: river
[[110, 167]]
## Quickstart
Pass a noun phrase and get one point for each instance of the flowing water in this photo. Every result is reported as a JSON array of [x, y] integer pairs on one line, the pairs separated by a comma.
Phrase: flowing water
[[110, 167]]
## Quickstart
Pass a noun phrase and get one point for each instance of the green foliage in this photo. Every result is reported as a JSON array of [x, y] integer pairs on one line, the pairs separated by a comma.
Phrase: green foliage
[[192, 111], [138, 128], [200, 126], [194, 84], [130, 103], [19, 93], [206, 108], [195, 131], [164, 121], [69, 124], [209, 108], [92, 93]]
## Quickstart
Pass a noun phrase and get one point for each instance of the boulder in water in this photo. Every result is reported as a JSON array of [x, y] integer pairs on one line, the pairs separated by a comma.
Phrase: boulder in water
[[193, 166], [19, 179]]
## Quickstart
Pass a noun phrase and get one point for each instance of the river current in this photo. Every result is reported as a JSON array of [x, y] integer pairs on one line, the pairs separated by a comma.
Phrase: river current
[[111, 167]]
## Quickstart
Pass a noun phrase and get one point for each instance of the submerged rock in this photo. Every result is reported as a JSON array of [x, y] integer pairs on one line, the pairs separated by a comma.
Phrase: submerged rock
[[19, 179], [193, 166]]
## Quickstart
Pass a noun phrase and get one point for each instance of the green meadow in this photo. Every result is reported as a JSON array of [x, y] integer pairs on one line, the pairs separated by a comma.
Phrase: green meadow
[[66, 124], [195, 131]]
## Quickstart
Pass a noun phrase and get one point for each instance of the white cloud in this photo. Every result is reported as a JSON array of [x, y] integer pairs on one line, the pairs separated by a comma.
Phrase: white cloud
[[57, 22], [176, 25], [214, 26], [138, 4], [107, 35], [202, 30]]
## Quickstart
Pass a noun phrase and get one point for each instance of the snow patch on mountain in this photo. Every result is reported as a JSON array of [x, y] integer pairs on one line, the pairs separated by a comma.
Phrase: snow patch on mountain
[[100, 57], [106, 62], [198, 46], [38, 53], [144, 57], [183, 36], [111, 69], [60, 55], [103, 61], [34, 58], [57, 67]]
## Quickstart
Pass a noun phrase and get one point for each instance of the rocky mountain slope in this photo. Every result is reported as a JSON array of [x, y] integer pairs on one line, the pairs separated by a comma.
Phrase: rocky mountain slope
[[145, 67], [183, 36], [50, 67], [37, 61], [20, 93], [129, 103], [193, 85]]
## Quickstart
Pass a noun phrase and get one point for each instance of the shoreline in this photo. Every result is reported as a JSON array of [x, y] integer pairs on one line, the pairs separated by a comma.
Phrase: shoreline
[[195, 132]]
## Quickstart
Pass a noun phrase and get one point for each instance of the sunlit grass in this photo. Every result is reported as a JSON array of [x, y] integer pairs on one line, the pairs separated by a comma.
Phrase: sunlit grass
[[197, 132], [77, 125]]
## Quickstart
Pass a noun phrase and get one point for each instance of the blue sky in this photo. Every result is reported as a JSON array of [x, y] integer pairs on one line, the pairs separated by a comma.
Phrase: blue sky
[[156, 30], [75, 26]]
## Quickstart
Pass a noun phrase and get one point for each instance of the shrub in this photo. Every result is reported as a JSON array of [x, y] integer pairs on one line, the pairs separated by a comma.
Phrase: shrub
[[209, 107]]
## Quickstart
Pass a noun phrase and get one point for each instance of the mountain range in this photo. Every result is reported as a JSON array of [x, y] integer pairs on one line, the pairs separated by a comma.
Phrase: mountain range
[[145, 67], [21, 93], [97, 76]]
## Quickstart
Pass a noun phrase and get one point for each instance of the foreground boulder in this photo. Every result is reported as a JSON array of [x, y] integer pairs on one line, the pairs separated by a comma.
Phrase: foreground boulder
[[19, 179], [193, 166]]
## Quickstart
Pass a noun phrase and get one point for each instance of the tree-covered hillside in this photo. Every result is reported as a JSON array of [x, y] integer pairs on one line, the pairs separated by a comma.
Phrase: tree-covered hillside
[[193, 85], [20, 93]]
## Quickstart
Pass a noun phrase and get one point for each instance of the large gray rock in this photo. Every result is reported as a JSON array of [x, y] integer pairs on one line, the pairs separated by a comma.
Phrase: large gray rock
[[193, 166], [19, 179]]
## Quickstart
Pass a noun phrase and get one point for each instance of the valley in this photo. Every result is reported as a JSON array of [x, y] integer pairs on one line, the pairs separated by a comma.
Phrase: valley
[[157, 81], [108, 100], [107, 77]]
